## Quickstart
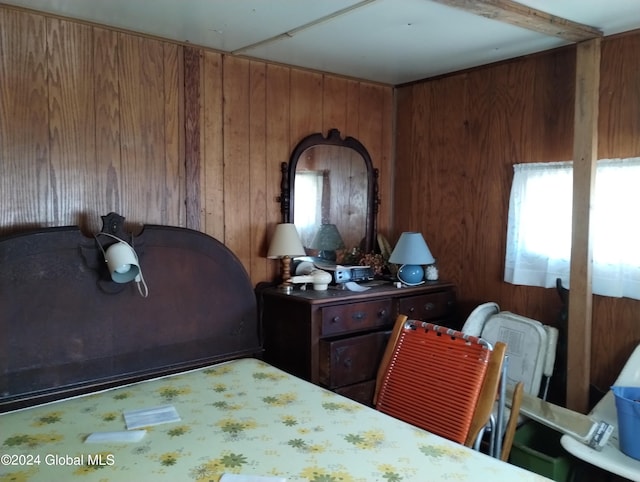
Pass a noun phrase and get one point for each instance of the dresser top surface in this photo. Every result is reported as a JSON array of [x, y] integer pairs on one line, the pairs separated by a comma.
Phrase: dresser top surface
[[336, 293]]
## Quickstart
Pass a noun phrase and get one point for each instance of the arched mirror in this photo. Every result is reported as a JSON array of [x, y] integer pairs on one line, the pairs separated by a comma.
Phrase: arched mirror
[[330, 192]]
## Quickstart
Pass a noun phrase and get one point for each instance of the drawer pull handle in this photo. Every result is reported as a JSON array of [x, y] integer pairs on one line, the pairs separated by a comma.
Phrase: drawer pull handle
[[335, 319], [359, 316], [412, 309], [429, 306], [382, 313], [347, 363]]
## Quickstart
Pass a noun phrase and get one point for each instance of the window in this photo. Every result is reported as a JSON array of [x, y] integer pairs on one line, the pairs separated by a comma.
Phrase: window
[[539, 226], [308, 196]]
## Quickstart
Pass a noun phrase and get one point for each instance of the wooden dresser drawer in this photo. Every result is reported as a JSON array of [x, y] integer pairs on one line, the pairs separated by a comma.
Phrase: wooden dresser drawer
[[351, 360], [354, 317], [428, 307], [360, 392]]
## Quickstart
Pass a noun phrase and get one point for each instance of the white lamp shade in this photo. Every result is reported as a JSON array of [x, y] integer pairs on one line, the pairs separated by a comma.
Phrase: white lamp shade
[[122, 262], [285, 242], [411, 249]]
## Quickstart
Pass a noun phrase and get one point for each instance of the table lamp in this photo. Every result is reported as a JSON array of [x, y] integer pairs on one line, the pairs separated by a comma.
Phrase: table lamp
[[327, 241], [411, 252], [285, 244]]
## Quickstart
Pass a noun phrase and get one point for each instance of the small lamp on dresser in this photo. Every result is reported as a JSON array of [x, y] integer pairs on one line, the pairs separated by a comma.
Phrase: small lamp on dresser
[[285, 244], [327, 241], [411, 252]]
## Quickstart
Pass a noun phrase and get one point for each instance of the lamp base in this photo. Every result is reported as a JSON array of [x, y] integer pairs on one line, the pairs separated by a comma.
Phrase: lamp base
[[286, 287], [411, 274]]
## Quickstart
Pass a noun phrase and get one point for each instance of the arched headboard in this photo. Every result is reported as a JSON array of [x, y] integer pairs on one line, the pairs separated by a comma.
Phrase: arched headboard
[[65, 328]]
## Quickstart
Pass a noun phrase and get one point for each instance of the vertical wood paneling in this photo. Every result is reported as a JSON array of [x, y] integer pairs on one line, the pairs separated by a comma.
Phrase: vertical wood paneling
[[107, 137], [72, 128], [212, 156], [371, 122], [142, 123], [174, 212], [552, 131], [615, 327], [335, 102], [376, 132], [352, 122], [121, 131], [404, 149], [443, 226], [619, 117], [615, 334], [384, 160], [412, 126], [193, 119], [24, 134], [106, 168], [519, 111], [277, 150], [258, 167], [305, 105], [237, 187], [451, 136], [137, 159], [500, 116]]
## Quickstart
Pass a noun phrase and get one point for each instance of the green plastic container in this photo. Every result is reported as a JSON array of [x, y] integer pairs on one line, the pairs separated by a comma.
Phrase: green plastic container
[[537, 448]]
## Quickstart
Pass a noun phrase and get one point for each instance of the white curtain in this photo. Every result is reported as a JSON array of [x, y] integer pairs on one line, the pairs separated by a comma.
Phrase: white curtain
[[539, 226], [308, 204]]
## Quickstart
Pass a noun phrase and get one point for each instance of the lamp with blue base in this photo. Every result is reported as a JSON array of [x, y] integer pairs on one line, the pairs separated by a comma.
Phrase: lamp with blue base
[[412, 253]]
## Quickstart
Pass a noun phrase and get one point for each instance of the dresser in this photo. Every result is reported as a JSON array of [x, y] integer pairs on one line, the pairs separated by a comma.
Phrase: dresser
[[336, 338]]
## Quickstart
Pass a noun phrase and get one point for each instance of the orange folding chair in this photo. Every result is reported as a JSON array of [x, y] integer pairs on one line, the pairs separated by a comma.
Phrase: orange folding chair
[[433, 377]]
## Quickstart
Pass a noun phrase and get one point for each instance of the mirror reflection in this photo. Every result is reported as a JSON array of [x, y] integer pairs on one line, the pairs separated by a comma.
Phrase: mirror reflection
[[329, 192], [330, 189]]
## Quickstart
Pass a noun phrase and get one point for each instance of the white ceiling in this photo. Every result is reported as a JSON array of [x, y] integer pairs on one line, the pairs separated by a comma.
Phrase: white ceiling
[[387, 41]]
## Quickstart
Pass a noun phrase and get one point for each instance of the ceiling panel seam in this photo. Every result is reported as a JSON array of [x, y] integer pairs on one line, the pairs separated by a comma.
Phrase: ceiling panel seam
[[306, 26]]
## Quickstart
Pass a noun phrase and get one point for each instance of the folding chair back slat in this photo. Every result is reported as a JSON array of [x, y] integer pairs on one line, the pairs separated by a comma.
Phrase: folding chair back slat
[[433, 379]]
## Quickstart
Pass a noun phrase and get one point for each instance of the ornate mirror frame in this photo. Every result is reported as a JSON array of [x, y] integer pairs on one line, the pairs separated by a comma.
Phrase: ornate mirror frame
[[333, 138]]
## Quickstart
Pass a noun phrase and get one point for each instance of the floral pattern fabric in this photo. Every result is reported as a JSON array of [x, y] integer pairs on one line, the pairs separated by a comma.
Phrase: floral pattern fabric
[[243, 417]]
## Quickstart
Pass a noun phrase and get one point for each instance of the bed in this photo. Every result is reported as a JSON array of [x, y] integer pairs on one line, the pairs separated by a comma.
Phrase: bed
[[99, 383]]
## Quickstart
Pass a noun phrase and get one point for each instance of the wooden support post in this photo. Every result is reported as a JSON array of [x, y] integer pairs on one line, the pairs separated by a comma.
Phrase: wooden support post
[[585, 151]]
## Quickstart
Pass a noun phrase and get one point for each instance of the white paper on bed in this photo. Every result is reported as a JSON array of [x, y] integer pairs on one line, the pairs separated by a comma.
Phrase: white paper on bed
[[125, 436], [147, 417]]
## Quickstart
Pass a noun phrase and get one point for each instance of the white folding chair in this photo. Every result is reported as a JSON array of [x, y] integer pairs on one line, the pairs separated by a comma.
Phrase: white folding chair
[[530, 355], [531, 346]]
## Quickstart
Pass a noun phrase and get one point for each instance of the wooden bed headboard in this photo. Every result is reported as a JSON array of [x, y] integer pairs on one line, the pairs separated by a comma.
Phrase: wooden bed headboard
[[65, 328]]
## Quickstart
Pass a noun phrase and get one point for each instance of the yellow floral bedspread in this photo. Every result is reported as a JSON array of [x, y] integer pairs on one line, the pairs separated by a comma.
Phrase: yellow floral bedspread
[[243, 417]]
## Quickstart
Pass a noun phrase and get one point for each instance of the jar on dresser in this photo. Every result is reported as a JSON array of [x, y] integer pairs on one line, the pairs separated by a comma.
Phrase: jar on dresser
[[336, 338]]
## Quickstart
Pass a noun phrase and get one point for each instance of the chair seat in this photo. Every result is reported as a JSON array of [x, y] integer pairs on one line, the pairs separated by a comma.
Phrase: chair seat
[[610, 458]]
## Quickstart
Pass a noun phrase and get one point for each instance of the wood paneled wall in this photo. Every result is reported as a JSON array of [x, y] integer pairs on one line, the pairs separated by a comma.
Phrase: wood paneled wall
[[89, 123], [265, 111], [94, 120], [457, 139]]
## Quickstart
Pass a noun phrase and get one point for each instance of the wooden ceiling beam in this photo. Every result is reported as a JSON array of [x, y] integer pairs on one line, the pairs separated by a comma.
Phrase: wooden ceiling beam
[[514, 13]]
